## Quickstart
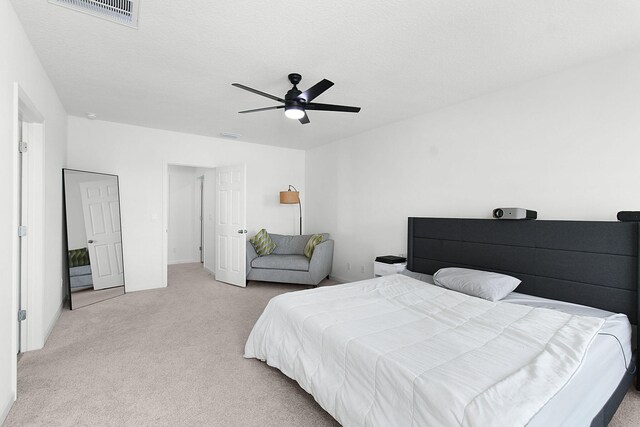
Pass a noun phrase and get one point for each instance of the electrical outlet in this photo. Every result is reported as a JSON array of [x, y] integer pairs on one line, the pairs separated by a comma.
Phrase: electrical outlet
[[362, 269], [348, 266]]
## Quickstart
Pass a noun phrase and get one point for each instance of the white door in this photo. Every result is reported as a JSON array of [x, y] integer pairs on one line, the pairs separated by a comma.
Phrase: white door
[[101, 207], [230, 230]]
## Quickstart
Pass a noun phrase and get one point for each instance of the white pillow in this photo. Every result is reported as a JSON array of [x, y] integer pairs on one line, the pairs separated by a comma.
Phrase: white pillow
[[481, 284]]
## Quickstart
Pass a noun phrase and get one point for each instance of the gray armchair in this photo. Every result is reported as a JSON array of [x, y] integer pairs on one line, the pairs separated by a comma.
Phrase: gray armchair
[[287, 263]]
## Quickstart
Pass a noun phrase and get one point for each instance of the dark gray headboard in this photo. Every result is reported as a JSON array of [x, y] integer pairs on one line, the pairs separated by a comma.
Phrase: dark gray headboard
[[584, 262]]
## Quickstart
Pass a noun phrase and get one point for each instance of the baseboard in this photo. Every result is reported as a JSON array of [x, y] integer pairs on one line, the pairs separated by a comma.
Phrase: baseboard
[[208, 270], [6, 407], [52, 324], [183, 261], [146, 288]]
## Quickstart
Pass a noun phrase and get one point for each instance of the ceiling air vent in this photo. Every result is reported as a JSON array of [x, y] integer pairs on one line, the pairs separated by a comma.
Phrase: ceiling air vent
[[121, 11]]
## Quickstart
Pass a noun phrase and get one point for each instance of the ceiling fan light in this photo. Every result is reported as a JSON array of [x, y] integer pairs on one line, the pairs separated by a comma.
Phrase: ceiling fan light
[[295, 113]]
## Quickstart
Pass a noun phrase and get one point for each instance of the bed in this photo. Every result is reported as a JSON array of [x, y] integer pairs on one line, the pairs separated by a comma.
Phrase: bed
[[399, 350]]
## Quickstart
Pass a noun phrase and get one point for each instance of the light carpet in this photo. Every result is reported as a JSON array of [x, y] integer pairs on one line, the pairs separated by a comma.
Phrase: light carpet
[[171, 357]]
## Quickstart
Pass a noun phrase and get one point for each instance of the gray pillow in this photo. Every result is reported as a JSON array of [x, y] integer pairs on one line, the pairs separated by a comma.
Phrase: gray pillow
[[481, 284]]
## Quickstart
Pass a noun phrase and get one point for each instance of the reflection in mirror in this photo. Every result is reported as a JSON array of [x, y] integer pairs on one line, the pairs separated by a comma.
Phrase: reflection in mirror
[[94, 239]]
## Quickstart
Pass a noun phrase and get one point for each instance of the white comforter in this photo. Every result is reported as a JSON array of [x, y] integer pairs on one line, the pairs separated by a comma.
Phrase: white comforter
[[394, 351]]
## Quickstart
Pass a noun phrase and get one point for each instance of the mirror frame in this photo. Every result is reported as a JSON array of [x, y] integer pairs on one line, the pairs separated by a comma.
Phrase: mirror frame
[[65, 261]]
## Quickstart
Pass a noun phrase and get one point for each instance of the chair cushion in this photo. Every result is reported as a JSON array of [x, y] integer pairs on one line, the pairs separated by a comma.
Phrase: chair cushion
[[282, 262], [292, 245], [314, 241], [262, 243]]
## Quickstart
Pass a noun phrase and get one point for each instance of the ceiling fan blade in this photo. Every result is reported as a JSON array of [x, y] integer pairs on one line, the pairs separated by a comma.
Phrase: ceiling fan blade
[[262, 109], [257, 92], [305, 119], [316, 90], [331, 107]]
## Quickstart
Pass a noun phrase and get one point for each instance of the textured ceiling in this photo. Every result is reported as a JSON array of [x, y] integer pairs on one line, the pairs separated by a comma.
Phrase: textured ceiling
[[395, 59]]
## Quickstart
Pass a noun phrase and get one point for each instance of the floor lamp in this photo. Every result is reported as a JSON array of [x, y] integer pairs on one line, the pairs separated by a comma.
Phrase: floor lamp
[[291, 198]]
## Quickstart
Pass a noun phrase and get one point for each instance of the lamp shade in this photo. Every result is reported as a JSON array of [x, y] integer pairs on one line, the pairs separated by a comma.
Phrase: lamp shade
[[289, 197]]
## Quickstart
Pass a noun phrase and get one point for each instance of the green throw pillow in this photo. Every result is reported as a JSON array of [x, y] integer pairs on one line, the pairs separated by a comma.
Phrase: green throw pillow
[[262, 243], [78, 257], [314, 241]]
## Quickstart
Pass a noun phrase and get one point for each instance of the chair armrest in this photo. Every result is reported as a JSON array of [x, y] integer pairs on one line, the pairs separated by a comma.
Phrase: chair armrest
[[321, 261], [251, 255]]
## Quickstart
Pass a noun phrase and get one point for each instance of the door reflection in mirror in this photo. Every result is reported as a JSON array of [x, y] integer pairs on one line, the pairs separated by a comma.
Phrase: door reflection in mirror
[[94, 237]]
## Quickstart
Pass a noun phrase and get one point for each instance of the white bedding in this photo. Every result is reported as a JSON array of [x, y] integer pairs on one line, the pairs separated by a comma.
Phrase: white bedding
[[396, 351], [604, 365], [599, 375]]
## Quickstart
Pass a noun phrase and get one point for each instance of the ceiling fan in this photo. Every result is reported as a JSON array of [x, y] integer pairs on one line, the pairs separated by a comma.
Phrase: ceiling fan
[[297, 102]]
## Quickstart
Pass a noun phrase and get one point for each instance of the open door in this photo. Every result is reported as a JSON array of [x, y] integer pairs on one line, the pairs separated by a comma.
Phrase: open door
[[230, 229], [101, 207]]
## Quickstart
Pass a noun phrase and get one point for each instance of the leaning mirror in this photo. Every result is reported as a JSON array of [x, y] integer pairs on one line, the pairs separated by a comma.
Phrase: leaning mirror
[[94, 239]]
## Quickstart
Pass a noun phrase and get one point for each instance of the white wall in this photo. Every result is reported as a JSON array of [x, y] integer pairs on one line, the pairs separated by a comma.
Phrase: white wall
[[183, 233], [140, 157], [19, 63], [209, 209], [566, 145]]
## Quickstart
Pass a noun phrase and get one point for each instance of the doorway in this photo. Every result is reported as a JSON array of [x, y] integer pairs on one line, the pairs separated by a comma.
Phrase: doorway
[[190, 216], [27, 206], [28, 217], [207, 205], [21, 265]]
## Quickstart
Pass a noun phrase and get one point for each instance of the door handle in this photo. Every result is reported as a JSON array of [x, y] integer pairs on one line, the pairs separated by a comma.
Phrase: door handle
[[242, 231], [90, 241]]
